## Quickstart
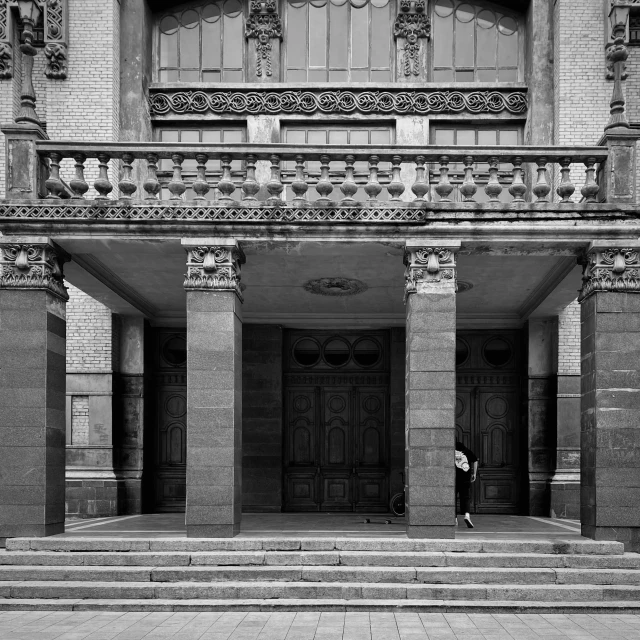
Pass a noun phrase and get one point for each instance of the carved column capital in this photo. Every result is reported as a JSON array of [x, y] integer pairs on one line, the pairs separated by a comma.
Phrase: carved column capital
[[430, 265], [611, 268], [214, 264], [32, 263]]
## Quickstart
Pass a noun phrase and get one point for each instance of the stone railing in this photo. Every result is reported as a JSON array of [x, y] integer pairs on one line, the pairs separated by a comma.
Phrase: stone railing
[[299, 176]]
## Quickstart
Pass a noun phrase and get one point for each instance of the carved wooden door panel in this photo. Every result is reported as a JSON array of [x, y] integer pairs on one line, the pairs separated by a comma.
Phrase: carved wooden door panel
[[497, 489], [336, 459], [170, 434], [301, 479]]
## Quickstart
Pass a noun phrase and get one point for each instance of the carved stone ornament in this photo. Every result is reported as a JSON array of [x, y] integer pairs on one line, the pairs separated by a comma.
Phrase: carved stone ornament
[[611, 269], [339, 287], [6, 61], [429, 265], [263, 25], [33, 266], [214, 268], [55, 37], [419, 102], [412, 27]]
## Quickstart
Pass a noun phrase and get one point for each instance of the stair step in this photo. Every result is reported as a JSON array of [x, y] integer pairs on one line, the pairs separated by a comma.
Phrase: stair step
[[298, 605], [235, 590], [365, 575], [319, 558], [586, 547]]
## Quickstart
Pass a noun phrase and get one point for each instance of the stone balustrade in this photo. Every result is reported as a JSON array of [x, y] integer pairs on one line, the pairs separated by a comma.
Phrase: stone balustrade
[[329, 175]]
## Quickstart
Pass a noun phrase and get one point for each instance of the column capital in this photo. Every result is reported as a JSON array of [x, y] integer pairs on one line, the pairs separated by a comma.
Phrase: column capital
[[611, 266], [430, 263], [28, 262], [213, 264]]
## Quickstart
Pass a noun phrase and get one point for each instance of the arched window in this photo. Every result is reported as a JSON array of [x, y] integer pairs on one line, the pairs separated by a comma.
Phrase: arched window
[[338, 40], [201, 43], [473, 42]]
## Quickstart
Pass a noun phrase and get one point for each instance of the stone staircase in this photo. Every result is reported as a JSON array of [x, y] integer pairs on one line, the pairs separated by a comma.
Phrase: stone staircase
[[319, 574]]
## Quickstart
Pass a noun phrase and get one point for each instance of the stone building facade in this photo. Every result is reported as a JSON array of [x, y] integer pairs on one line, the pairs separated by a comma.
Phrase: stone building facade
[[307, 244]]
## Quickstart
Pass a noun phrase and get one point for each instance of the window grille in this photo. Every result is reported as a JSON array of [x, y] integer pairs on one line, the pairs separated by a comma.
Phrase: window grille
[[634, 30]]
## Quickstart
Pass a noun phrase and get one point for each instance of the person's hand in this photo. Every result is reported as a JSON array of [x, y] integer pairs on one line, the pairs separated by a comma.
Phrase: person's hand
[[473, 477]]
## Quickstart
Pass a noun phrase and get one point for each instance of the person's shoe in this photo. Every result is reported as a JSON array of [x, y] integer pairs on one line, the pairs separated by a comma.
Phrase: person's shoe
[[456, 520], [468, 522]]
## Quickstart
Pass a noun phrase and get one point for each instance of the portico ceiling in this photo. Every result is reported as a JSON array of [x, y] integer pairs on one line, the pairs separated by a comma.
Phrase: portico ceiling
[[145, 276]]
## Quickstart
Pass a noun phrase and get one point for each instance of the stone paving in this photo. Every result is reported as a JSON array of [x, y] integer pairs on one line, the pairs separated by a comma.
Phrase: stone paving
[[59, 625]]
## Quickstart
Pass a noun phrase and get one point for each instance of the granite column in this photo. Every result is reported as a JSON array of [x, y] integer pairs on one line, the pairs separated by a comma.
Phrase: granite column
[[214, 387], [610, 425], [32, 387], [430, 387]]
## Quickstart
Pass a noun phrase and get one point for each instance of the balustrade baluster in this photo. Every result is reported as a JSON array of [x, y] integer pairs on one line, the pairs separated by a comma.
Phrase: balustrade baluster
[[126, 185], [200, 185], [373, 188], [566, 188], [79, 185], [420, 187], [177, 187], [349, 186], [396, 186], [591, 188], [542, 187], [444, 187], [275, 186], [299, 186], [493, 188], [151, 184], [53, 183], [102, 184], [250, 186], [518, 189], [226, 186], [468, 188], [324, 186]]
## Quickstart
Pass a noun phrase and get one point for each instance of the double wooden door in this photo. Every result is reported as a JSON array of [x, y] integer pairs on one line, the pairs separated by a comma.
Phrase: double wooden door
[[487, 417], [336, 448]]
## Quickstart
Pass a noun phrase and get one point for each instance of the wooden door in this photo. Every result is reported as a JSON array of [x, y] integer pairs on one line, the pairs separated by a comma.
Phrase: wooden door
[[336, 424], [170, 433], [487, 417]]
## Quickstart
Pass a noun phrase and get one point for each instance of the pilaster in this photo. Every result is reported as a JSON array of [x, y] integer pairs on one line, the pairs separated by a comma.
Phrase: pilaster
[[32, 387], [430, 387], [610, 436], [214, 387]]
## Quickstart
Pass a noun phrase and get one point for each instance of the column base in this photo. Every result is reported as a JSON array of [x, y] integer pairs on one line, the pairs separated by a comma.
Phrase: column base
[[629, 536], [565, 500], [212, 530], [29, 531], [433, 532]]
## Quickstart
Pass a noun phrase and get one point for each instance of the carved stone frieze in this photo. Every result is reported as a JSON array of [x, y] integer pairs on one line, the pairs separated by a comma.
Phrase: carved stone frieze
[[429, 265], [164, 102], [214, 268], [609, 268], [263, 25], [315, 379], [32, 266]]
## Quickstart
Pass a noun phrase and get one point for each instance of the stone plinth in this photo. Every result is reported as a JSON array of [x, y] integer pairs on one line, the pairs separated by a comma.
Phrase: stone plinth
[[430, 389]]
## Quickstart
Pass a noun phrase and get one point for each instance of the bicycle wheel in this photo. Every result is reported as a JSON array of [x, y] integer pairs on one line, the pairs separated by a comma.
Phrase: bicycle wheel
[[397, 504]]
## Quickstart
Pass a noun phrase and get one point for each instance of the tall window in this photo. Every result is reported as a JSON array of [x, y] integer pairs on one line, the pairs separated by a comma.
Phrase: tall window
[[202, 43], [473, 43], [338, 40]]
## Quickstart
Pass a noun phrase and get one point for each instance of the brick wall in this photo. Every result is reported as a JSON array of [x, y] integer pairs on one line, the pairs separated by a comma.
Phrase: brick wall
[[569, 340], [90, 347]]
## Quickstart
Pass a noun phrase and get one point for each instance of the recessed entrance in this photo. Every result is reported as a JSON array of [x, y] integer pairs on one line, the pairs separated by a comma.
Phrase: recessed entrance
[[336, 455]]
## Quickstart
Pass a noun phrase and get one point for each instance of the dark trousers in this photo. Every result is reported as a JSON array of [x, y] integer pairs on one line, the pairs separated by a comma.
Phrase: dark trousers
[[463, 489]]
